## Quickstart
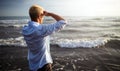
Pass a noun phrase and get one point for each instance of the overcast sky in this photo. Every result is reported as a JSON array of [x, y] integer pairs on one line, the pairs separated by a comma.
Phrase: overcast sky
[[62, 7]]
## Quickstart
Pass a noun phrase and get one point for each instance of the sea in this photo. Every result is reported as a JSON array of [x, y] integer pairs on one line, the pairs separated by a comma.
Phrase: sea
[[80, 31]]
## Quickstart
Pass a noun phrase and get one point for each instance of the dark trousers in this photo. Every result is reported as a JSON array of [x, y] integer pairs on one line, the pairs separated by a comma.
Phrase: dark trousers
[[47, 67]]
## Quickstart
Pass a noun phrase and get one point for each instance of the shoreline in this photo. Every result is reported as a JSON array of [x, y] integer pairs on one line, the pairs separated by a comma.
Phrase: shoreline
[[104, 58]]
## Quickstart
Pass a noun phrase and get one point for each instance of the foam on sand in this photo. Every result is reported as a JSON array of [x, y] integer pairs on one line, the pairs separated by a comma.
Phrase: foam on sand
[[82, 43]]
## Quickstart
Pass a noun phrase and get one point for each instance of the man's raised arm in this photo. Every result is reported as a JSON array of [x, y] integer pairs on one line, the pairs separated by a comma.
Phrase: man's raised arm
[[55, 16]]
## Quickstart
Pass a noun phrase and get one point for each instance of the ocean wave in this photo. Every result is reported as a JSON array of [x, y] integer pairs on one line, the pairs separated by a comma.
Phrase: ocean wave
[[14, 21], [13, 41], [12, 26], [63, 43], [82, 43]]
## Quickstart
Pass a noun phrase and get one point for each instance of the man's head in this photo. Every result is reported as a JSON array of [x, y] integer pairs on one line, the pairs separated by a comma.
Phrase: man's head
[[36, 13]]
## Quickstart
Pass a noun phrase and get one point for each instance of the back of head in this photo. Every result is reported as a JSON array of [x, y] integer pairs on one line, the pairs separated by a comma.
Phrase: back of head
[[35, 11]]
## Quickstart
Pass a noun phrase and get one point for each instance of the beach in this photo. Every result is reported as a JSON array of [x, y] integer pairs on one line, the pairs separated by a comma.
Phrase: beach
[[104, 58], [89, 41], [85, 44]]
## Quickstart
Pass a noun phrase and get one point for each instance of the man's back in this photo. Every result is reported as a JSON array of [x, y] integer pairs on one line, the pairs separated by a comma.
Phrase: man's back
[[37, 38]]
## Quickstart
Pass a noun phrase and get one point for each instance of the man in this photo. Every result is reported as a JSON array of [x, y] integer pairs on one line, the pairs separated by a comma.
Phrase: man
[[37, 39]]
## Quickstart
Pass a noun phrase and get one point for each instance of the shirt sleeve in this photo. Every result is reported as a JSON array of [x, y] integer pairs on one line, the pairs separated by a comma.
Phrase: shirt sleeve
[[48, 29]]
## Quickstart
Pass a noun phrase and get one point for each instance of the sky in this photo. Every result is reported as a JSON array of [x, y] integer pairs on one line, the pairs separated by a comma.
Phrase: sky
[[62, 7]]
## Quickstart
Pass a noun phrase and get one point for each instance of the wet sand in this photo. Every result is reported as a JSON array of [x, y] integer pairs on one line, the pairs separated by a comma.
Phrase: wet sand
[[104, 58]]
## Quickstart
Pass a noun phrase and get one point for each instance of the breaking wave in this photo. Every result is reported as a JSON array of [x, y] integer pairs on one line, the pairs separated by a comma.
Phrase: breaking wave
[[64, 43]]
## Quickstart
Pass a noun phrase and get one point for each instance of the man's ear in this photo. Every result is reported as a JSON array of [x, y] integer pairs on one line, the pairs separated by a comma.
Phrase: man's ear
[[39, 17]]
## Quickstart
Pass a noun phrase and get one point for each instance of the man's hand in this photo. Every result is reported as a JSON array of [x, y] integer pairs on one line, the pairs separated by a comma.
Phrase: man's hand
[[46, 13]]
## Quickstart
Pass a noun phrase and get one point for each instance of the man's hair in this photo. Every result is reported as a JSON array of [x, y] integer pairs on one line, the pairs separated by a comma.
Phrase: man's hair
[[35, 11]]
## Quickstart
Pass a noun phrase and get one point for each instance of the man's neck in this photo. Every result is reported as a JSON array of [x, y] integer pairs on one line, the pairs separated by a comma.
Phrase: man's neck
[[38, 21]]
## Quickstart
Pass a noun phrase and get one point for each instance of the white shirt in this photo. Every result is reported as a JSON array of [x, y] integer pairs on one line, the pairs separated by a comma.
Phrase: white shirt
[[37, 39]]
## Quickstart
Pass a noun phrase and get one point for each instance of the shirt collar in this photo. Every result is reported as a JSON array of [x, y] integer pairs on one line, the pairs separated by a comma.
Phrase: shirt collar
[[33, 23]]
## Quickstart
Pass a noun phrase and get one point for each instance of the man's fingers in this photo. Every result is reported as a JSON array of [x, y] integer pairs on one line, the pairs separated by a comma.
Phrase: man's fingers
[[45, 13]]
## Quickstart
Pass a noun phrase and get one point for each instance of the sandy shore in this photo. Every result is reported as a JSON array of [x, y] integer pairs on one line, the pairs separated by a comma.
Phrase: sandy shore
[[105, 58]]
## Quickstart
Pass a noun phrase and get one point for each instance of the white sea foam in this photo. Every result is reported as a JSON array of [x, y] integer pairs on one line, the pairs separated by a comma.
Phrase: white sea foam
[[81, 43], [66, 43], [13, 41], [16, 25], [14, 21]]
